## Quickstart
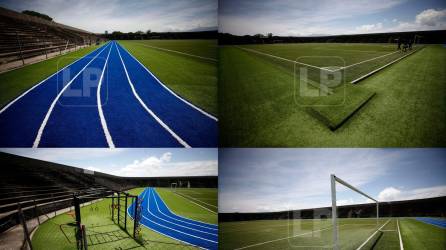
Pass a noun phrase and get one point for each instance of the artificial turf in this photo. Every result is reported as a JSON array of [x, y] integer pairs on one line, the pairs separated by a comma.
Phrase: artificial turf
[[192, 78], [103, 233], [187, 207], [258, 107], [420, 235], [15, 82], [278, 234]]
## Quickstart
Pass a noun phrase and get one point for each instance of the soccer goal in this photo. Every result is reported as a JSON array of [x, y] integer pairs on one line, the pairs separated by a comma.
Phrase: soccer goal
[[173, 186], [336, 221]]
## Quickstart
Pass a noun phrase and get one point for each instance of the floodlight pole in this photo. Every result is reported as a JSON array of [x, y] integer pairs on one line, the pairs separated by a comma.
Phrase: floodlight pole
[[334, 212]]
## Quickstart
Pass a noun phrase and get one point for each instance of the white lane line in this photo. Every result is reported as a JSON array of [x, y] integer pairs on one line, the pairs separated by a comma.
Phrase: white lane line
[[198, 237], [195, 203], [371, 236], [101, 112], [183, 53], [53, 104], [35, 86], [376, 70], [171, 91], [399, 234], [181, 141], [187, 222], [190, 197], [156, 202], [187, 243]]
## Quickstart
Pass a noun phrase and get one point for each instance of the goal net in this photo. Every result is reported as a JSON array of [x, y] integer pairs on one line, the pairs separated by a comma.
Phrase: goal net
[[356, 222], [173, 186]]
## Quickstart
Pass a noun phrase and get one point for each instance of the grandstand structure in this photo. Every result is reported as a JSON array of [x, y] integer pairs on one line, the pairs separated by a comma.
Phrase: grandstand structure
[[32, 191], [429, 207], [26, 39]]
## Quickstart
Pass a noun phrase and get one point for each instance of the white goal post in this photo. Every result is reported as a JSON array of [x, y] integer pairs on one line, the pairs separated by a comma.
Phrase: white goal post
[[334, 208], [173, 186]]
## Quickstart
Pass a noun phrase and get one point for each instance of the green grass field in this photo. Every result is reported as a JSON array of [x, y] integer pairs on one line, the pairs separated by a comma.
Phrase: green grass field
[[193, 78], [317, 234], [15, 82], [401, 106], [103, 233]]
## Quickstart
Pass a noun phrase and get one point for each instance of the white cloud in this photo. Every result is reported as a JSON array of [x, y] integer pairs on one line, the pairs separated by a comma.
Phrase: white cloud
[[431, 17], [162, 166], [394, 194], [367, 28], [389, 194]]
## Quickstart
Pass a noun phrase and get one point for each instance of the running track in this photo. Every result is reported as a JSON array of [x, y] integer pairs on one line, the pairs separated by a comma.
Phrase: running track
[[436, 222], [105, 99], [158, 217]]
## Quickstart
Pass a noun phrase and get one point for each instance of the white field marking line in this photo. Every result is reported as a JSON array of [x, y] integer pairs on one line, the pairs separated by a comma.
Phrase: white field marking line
[[284, 59], [156, 203], [181, 141], [101, 112], [187, 243], [297, 235], [198, 200], [376, 70], [399, 234], [371, 236], [195, 203], [44, 80], [183, 53], [181, 232], [188, 219], [187, 222], [171, 91], [284, 238], [53, 104], [371, 59]]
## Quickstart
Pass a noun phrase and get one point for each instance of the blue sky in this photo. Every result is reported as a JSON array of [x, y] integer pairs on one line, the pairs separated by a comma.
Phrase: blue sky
[[329, 17], [132, 162], [255, 180], [100, 15]]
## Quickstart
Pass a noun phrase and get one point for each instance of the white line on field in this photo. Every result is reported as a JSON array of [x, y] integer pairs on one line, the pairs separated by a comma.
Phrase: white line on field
[[53, 104], [183, 53], [371, 236], [371, 59], [195, 203], [44, 80], [376, 70], [171, 91], [101, 113], [284, 238], [167, 128], [281, 58], [399, 234], [157, 207], [198, 200]]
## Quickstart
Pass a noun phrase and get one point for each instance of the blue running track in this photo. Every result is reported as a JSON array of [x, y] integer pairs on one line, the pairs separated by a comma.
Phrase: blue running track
[[158, 217], [433, 221], [105, 99]]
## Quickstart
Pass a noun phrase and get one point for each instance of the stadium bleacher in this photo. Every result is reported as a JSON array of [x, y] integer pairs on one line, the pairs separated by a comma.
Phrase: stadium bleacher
[[41, 187], [25, 39]]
